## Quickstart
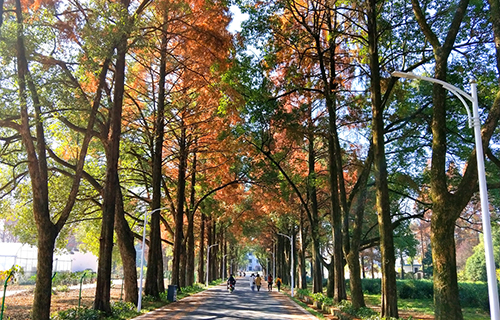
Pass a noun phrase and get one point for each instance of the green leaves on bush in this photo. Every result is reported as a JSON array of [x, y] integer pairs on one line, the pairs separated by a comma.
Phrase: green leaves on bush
[[77, 314], [120, 309]]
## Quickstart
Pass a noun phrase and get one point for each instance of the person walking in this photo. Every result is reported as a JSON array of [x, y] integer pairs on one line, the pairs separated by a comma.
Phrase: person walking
[[270, 282], [258, 282], [252, 282], [278, 283]]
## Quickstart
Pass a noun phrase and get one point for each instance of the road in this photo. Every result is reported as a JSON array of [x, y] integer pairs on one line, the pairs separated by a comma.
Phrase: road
[[243, 303]]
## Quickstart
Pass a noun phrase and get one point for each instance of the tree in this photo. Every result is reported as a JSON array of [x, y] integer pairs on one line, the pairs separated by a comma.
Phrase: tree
[[447, 206], [32, 129]]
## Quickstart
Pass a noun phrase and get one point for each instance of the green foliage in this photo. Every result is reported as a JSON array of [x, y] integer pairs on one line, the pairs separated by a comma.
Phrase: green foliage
[[123, 310], [371, 286], [13, 272], [474, 295], [415, 289], [363, 313], [320, 297], [427, 261], [475, 267], [65, 278], [304, 292], [77, 314], [62, 288]]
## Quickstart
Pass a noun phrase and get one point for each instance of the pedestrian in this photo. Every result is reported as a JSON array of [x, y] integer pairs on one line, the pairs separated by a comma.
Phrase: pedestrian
[[252, 282], [270, 282], [278, 283], [258, 282]]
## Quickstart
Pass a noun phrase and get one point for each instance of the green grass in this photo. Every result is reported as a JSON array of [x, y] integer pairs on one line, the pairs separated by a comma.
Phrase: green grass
[[426, 306]]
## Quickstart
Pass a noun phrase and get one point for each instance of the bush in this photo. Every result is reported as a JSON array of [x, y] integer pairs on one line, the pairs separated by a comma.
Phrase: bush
[[77, 314], [371, 286], [63, 288], [415, 289], [65, 278], [474, 294], [304, 292], [122, 309]]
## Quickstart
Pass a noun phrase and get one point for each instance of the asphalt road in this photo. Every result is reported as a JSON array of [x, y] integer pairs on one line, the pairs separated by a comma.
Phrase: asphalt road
[[243, 303]]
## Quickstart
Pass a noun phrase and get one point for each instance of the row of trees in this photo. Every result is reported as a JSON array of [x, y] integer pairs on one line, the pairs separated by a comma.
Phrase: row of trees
[[111, 111], [355, 149]]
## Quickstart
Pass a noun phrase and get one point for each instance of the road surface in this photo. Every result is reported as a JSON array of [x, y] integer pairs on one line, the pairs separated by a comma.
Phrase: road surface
[[243, 303]]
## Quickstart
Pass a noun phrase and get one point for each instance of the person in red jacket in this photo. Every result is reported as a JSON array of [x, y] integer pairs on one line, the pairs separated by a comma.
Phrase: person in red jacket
[[270, 282]]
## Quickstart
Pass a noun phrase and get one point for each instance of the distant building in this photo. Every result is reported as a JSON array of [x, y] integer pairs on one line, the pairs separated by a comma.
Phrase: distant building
[[25, 256], [253, 263]]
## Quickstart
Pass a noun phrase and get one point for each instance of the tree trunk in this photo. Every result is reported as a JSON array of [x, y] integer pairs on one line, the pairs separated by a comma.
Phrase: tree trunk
[[154, 274], [402, 261], [190, 230], [389, 307], [302, 253], [317, 273], [201, 259], [358, 204], [103, 294], [179, 218], [127, 251], [43, 287], [446, 297]]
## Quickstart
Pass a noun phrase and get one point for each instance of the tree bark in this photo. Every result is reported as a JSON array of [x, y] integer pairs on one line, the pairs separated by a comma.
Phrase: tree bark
[[302, 253], [389, 307], [201, 259], [103, 288], [360, 194], [127, 251], [154, 275], [179, 216]]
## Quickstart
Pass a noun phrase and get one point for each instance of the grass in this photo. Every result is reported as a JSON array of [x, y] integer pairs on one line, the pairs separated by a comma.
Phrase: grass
[[426, 307]]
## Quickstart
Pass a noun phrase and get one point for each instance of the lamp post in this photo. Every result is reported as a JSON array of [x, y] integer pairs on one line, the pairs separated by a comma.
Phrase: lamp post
[[291, 261], [208, 259], [483, 190], [139, 300]]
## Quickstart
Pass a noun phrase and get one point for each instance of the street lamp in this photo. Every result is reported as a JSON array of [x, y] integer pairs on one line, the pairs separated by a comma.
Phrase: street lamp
[[139, 301], [291, 261], [208, 259], [483, 191]]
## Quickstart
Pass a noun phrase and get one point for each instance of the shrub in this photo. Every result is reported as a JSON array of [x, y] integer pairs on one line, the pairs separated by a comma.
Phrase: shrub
[[371, 286], [122, 309], [77, 314], [474, 294], [63, 288], [65, 278], [415, 289], [304, 292]]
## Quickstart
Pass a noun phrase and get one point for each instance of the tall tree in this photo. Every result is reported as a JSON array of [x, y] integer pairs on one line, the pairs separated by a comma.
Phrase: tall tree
[[389, 307], [447, 206], [33, 112]]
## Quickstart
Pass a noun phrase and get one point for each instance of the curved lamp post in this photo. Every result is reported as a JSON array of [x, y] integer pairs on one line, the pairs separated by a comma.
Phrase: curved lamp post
[[291, 261], [208, 259], [139, 300], [475, 122]]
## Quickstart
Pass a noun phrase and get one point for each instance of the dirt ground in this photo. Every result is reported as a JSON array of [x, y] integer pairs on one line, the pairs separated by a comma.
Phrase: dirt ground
[[18, 307]]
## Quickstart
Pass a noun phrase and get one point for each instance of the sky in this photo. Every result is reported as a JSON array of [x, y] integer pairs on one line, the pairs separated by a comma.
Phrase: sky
[[238, 17]]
